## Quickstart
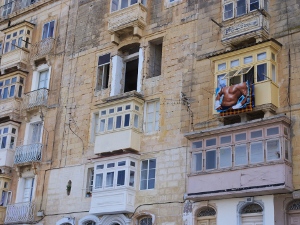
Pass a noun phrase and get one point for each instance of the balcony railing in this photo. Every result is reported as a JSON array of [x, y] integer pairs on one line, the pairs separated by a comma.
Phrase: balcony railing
[[28, 153], [15, 5], [20, 213], [35, 99], [42, 48]]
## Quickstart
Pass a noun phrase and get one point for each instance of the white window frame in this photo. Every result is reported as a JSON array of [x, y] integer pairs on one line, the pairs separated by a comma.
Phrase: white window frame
[[48, 35], [103, 73], [16, 39], [148, 172], [103, 168], [156, 119], [36, 76], [7, 84], [9, 143], [21, 186], [28, 130], [143, 2]]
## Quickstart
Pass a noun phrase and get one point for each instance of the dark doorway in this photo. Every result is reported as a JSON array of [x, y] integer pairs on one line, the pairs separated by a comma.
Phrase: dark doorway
[[131, 75]]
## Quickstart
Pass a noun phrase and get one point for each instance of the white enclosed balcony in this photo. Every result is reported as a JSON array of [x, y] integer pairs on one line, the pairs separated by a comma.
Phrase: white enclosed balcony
[[35, 99], [20, 213], [28, 153], [118, 125]]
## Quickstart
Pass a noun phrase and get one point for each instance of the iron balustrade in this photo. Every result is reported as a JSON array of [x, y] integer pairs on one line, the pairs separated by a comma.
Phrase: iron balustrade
[[35, 98], [42, 48], [20, 212], [28, 153]]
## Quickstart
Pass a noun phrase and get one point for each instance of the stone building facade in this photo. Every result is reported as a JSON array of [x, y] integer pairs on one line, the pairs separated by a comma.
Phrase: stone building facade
[[166, 112]]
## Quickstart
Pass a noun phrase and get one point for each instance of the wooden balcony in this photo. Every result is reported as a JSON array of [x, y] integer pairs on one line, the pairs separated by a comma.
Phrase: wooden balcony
[[252, 25], [17, 58], [10, 107], [130, 19], [20, 213]]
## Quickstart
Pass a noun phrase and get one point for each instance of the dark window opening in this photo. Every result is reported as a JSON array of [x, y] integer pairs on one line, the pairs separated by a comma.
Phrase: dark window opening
[[249, 76], [131, 75], [155, 58], [232, 120]]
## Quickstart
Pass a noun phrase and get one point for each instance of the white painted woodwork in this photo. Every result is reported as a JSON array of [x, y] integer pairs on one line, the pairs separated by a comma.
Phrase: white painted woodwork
[[117, 74]]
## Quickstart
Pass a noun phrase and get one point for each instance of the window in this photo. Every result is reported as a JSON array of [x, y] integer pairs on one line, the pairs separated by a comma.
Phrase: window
[[48, 30], [119, 117], [148, 168], [11, 87], [121, 4], [155, 58], [5, 198], [28, 189], [90, 223], [90, 180], [251, 214], [35, 132], [152, 116], [8, 137], [145, 221], [43, 79], [16, 39], [241, 148], [103, 72], [243, 7], [7, 7], [28, 2], [115, 174]]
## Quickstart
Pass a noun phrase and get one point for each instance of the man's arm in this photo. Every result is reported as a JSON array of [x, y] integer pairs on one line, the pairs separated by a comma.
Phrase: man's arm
[[217, 100]]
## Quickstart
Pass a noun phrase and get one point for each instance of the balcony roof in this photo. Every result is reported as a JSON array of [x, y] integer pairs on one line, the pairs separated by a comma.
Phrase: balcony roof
[[18, 25]]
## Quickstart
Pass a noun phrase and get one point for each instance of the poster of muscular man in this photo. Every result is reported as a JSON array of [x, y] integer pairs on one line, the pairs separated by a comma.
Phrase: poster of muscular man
[[236, 96]]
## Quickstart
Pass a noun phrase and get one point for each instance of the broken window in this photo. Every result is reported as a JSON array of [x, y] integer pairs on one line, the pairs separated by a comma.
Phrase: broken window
[[155, 58], [103, 72]]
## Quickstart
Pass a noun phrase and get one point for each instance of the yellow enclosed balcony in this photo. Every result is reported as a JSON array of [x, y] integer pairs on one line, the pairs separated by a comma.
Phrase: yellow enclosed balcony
[[126, 16], [246, 79], [118, 125], [16, 46]]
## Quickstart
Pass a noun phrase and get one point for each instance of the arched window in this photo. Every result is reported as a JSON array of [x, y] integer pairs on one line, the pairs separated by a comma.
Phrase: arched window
[[251, 214], [90, 223], [293, 211], [145, 221], [206, 215]]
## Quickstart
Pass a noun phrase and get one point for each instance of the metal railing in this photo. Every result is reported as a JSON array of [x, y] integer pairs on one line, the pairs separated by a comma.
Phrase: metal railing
[[15, 5], [42, 48], [20, 212], [28, 153], [35, 98]]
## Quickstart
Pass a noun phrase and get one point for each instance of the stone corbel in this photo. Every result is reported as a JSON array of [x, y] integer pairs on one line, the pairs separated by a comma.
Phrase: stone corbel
[[19, 172], [34, 168]]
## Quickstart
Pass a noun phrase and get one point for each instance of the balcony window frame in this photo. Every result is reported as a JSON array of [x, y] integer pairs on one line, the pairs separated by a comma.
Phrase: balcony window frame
[[129, 4], [10, 136], [104, 168], [19, 41], [263, 4], [15, 81], [132, 109], [283, 139]]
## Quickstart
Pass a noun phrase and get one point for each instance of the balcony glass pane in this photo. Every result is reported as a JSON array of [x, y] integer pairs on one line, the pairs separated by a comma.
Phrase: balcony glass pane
[[110, 179], [122, 163], [256, 152], [121, 178], [234, 63], [127, 120], [5, 93], [272, 131], [225, 140], [240, 7], [261, 56], [262, 72], [3, 142], [225, 157], [114, 5], [240, 155], [119, 122], [131, 179], [273, 73], [102, 125], [248, 59], [211, 142], [110, 165], [13, 44], [197, 144], [240, 137], [99, 180], [286, 149], [254, 5], [110, 123], [222, 66], [211, 160], [256, 134], [136, 121], [124, 4], [12, 91], [133, 2], [273, 150], [12, 142], [197, 161], [228, 11], [19, 92]]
